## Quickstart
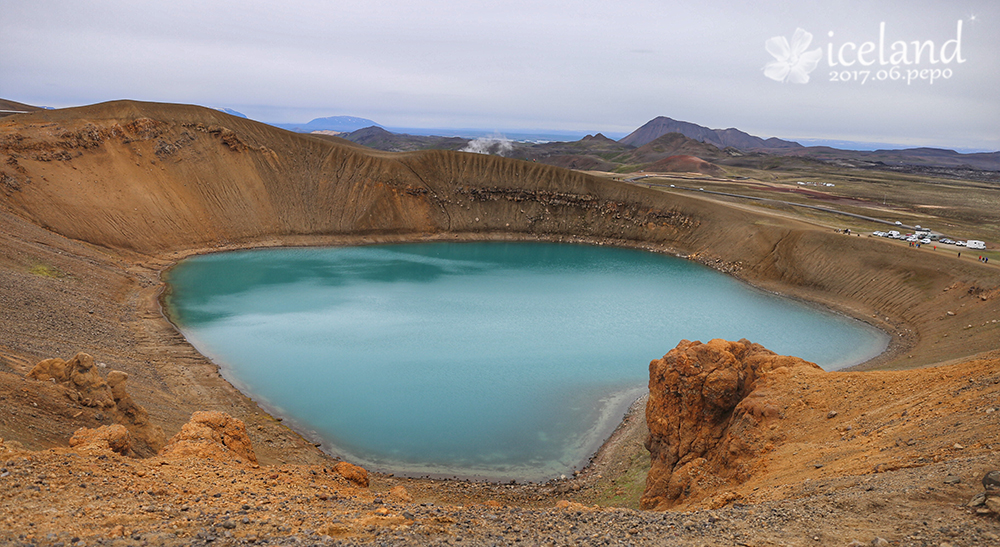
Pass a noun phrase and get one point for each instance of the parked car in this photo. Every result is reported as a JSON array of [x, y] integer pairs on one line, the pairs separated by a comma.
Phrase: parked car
[[960, 243], [925, 241]]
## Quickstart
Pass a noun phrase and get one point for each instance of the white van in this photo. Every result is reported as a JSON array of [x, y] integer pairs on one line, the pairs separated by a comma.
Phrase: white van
[[975, 244]]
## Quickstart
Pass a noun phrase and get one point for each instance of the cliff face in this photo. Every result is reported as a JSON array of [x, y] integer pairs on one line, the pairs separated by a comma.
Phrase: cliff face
[[703, 417], [732, 421]]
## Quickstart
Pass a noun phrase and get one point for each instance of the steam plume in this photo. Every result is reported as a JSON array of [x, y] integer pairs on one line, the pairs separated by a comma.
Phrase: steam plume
[[497, 144]]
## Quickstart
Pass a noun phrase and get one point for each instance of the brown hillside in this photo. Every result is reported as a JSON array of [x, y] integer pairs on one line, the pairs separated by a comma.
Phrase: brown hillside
[[12, 107], [193, 182], [579, 162]]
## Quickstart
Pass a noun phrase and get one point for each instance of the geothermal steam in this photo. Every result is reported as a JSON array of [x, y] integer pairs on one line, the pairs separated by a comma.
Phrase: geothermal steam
[[497, 144]]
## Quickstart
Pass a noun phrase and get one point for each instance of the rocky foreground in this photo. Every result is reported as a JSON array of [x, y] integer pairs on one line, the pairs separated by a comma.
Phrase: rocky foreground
[[746, 446], [95, 497]]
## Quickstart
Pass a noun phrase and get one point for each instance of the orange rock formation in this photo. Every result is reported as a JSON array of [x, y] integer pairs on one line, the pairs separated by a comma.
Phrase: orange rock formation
[[79, 376], [733, 421], [82, 383], [212, 435], [702, 414], [112, 437]]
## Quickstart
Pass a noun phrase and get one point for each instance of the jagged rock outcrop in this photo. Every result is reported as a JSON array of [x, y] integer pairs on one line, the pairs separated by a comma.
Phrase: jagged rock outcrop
[[112, 437], [127, 412], [704, 418], [212, 435], [83, 384], [79, 375]]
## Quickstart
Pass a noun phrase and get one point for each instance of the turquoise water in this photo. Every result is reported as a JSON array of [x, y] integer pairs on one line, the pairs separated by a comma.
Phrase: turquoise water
[[480, 360]]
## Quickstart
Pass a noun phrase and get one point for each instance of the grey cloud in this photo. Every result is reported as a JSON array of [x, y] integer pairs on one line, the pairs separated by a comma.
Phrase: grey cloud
[[583, 65]]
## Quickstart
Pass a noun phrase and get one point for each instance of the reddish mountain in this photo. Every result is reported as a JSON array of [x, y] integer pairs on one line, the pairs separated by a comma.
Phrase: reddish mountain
[[685, 164], [673, 144]]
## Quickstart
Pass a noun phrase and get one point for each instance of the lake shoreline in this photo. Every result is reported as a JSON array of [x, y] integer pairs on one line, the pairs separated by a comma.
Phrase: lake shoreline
[[605, 454]]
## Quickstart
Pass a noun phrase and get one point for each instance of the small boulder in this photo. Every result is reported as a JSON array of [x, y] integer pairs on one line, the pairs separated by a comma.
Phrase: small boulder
[[353, 473], [113, 437], [992, 480], [572, 506], [993, 504], [978, 500], [399, 493], [49, 369], [211, 435]]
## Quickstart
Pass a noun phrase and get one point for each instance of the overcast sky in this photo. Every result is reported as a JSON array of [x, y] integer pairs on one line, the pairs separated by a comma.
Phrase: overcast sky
[[536, 64]]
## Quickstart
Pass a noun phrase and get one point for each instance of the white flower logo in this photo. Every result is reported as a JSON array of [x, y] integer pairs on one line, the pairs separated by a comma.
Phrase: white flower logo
[[792, 64]]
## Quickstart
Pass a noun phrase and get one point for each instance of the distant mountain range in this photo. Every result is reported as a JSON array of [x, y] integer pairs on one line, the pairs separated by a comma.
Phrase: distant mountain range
[[232, 112], [664, 144], [735, 142], [381, 139], [653, 146], [342, 124]]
